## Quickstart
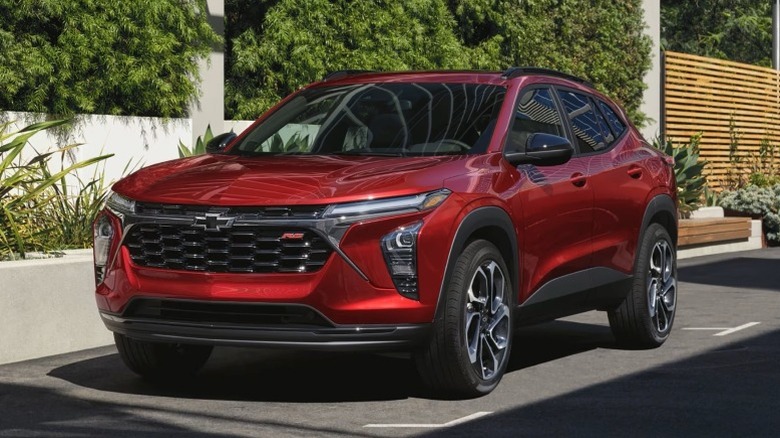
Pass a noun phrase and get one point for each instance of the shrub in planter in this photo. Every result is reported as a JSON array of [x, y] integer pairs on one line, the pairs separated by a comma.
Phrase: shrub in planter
[[688, 172], [27, 193], [754, 200]]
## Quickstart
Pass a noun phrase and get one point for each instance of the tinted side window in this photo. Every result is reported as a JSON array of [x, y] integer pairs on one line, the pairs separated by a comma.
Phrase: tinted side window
[[536, 112], [608, 136], [615, 123], [583, 120]]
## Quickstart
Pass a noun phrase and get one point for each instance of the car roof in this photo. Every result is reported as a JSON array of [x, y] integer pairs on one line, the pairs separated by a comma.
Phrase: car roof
[[457, 76]]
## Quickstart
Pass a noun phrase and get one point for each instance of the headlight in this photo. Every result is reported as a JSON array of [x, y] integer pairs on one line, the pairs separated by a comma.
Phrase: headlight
[[400, 251], [388, 206], [103, 234], [120, 204]]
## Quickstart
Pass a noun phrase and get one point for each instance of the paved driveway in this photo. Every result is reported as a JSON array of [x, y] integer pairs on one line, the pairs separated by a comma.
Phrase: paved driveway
[[718, 375]]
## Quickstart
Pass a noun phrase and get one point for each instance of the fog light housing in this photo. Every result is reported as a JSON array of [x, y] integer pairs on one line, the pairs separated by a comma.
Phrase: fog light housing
[[400, 251], [103, 236]]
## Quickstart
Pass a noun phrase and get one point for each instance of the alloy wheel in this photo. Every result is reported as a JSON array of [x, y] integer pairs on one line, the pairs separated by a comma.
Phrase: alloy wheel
[[662, 286], [487, 320]]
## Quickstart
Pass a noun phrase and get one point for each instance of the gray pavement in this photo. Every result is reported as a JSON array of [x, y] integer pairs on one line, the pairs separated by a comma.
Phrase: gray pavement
[[718, 375]]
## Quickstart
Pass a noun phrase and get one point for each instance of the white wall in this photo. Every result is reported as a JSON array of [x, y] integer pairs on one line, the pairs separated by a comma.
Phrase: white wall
[[48, 307], [136, 140], [209, 109], [651, 104], [139, 141]]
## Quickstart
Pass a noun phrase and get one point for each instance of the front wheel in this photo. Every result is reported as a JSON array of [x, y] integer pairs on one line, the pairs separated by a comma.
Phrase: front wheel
[[644, 319], [469, 349]]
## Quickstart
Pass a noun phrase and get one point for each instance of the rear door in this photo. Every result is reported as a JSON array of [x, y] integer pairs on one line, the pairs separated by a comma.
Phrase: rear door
[[621, 182]]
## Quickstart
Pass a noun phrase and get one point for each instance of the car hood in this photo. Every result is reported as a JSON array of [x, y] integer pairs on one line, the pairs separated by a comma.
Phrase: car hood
[[285, 180]]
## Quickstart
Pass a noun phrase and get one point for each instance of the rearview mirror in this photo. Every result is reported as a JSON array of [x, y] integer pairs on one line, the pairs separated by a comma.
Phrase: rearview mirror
[[543, 150], [217, 144]]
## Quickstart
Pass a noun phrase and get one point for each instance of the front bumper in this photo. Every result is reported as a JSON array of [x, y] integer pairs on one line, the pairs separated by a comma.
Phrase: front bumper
[[319, 334]]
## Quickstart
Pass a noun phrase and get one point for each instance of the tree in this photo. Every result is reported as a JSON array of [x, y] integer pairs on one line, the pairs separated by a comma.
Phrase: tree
[[89, 56], [739, 30], [600, 40], [274, 47], [299, 41]]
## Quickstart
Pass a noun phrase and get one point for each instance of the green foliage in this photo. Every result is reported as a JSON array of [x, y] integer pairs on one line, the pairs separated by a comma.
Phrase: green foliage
[[200, 145], [73, 208], [739, 30], [299, 41], [750, 168], [756, 200], [600, 40], [765, 165], [275, 47], [688, 172], [27, 192], [89, 56]]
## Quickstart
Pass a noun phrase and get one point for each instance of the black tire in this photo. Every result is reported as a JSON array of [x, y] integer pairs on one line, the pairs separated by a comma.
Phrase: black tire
[[645, 318], [161, 361], [447, 364]]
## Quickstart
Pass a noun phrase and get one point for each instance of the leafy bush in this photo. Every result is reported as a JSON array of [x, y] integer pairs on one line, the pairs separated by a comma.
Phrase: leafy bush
[[73, 208], [273, 47], [600, 40], [106, 57], [757, 200], [28, 197], [748, 167], [200, 145], [688, 172], [295, 42]]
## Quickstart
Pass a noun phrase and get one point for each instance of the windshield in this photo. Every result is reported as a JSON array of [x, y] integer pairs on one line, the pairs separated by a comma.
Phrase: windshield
[[388, 119]]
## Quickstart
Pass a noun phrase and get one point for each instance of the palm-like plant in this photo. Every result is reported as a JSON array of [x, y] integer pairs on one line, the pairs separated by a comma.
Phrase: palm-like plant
[[25, 188], [688, 172]]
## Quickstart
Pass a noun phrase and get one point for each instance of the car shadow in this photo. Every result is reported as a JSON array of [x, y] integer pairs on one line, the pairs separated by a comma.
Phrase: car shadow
[[284, 376], [736, 272], [730, 391]]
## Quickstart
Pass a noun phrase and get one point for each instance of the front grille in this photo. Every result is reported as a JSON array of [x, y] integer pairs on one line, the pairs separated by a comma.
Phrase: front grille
[[248, 249], [290, 316], [241, 213]]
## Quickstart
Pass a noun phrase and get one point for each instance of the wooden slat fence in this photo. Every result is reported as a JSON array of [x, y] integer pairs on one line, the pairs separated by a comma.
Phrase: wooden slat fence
[[728, 102]]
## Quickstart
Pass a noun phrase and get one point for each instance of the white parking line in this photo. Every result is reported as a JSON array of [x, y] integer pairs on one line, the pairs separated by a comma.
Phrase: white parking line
[[736, 329], [724, 331], [423, 425]]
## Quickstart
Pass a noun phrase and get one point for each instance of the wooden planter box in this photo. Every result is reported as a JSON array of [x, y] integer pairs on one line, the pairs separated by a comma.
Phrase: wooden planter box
[[693, 232]]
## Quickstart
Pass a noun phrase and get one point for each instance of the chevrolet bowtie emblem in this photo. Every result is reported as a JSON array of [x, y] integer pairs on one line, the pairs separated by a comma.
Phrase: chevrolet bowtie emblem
[[213, 222]]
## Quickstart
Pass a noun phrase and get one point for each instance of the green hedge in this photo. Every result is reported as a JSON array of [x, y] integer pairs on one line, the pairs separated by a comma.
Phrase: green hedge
[[107, 57], [274, 47]]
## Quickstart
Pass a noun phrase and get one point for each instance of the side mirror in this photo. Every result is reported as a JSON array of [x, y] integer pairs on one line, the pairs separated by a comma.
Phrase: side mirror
[[543, 150], [217, 144]]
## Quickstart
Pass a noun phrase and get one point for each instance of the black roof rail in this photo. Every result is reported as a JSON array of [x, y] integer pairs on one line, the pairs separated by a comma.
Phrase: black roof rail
[[344, 73], [513, 72]]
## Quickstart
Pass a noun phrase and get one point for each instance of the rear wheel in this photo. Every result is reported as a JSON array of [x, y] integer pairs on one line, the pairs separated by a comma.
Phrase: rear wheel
[[469, 349], [644, 319], [156, 361]]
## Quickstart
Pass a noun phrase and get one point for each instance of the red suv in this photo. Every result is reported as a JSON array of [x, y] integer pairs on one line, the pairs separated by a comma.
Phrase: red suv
[[430, 212]]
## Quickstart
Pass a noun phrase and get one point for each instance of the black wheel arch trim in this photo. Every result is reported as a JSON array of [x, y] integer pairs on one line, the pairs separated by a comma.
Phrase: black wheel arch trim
[[479, 218], [660, 203]]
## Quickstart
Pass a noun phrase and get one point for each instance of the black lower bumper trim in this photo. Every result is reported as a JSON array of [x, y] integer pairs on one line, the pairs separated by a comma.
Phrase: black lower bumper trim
[[342, 338]]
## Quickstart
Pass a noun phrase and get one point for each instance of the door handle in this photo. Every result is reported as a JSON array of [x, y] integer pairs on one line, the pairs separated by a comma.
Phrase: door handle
[[635, 172], [578, 179]]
